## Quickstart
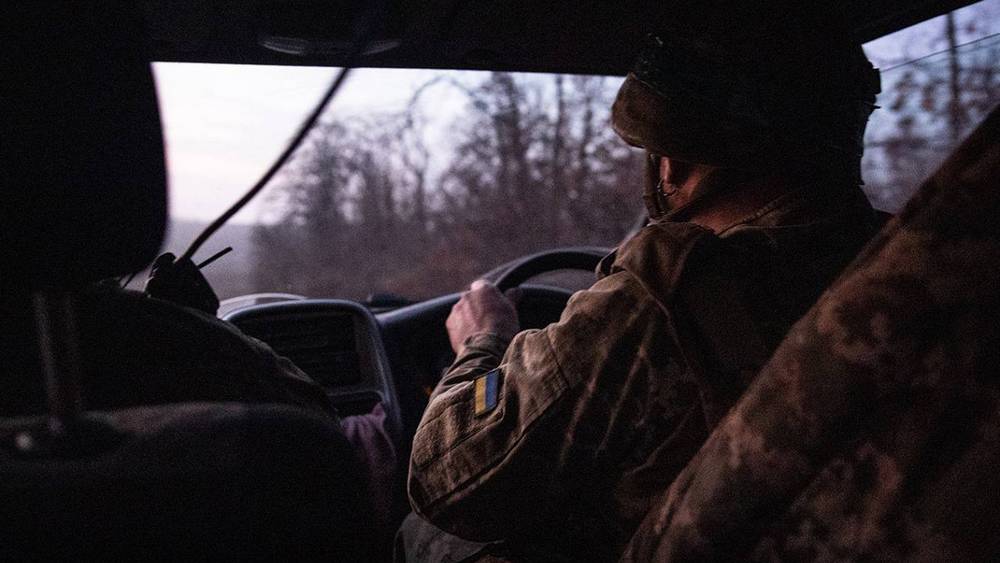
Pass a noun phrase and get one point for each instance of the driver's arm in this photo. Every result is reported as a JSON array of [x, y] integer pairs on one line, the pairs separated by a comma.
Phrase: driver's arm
[[509, 435]]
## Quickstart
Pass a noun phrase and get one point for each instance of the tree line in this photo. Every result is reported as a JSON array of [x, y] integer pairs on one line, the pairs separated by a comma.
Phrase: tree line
[[531, 163], [928, 107]]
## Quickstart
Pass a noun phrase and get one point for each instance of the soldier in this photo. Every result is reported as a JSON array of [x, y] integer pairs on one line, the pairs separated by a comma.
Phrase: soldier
[[871, 434], [554, 443]]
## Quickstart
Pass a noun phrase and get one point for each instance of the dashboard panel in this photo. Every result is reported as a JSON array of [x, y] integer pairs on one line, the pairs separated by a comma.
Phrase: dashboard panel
[[336, 342], [394, 357]]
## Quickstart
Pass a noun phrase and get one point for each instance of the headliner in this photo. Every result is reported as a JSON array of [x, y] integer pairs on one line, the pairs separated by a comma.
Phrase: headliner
[[581, 36]]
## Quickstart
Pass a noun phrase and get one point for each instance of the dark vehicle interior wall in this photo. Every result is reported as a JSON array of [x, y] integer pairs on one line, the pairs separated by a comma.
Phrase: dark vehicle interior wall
[[586, 37]]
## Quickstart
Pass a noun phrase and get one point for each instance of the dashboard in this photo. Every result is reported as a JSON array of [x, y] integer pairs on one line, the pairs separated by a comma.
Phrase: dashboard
[[362, 358], [336, 342]]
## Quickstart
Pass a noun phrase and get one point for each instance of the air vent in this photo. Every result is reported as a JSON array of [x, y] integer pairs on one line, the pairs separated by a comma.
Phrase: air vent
[[323, 346]]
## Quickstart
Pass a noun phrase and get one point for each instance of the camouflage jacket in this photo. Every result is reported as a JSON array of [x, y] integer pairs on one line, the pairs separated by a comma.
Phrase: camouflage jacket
[[558, 443], [874, 432]]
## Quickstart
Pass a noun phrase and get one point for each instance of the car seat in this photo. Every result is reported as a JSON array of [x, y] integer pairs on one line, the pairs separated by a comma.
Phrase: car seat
[[84, 198]]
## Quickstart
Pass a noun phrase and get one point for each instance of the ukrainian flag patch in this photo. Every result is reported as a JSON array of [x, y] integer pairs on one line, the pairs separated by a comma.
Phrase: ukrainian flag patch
[[487, 391]]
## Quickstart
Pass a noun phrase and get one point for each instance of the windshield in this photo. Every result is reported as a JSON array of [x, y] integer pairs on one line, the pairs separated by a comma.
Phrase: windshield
[[418, 181], [413, 185]]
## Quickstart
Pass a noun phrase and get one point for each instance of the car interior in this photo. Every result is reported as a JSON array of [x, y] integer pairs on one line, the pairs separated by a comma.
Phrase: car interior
[[84, 199]]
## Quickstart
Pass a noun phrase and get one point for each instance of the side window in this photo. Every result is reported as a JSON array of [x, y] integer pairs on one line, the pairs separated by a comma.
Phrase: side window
[[939, 80]]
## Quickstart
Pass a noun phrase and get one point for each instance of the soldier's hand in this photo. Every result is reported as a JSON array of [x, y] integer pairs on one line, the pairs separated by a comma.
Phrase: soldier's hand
[[482, 309]]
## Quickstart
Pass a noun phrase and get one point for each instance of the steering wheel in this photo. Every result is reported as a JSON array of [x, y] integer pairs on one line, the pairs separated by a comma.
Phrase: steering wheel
[[417, 340], [521, 270]]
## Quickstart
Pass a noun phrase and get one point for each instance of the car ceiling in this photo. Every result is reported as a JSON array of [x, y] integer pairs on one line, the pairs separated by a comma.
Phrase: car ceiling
[[582, 36]]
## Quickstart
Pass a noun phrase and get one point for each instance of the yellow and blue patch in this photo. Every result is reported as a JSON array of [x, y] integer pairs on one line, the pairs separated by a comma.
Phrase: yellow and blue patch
[[487, 392]]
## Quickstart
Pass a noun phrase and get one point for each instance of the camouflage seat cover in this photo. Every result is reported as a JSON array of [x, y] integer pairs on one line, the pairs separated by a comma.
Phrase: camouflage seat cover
[[874, 431]]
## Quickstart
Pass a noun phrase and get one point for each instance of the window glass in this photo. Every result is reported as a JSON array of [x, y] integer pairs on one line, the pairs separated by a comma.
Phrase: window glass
[[939, 80], [417, 181], [413, 184]]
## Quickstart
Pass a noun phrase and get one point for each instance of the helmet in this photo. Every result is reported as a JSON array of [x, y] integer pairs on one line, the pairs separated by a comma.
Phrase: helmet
[[789, 91]]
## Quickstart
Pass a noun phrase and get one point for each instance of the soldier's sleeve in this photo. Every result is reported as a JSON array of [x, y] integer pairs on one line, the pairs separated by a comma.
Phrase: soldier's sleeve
[[501, 440], [481, 354]]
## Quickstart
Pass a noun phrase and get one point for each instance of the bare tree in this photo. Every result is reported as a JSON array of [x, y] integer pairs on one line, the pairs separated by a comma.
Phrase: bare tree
[[534, 165], [931, 103]]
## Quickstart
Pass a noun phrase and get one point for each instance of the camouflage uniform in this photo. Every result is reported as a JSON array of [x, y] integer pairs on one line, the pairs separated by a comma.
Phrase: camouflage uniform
[[874, 432], [556, 446]]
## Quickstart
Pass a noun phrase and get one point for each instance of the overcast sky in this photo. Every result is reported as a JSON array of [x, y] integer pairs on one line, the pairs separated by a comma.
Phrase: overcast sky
[[225, 124]]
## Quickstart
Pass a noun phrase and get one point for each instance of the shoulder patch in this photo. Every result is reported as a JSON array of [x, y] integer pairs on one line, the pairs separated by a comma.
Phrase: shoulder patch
[[487, 390]]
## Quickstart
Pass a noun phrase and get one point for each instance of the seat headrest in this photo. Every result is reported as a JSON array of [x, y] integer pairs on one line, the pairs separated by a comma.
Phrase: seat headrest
[[83, 192]]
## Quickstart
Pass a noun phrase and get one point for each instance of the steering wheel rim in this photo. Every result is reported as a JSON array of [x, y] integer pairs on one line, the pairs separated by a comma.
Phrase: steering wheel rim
[[572, 258]]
